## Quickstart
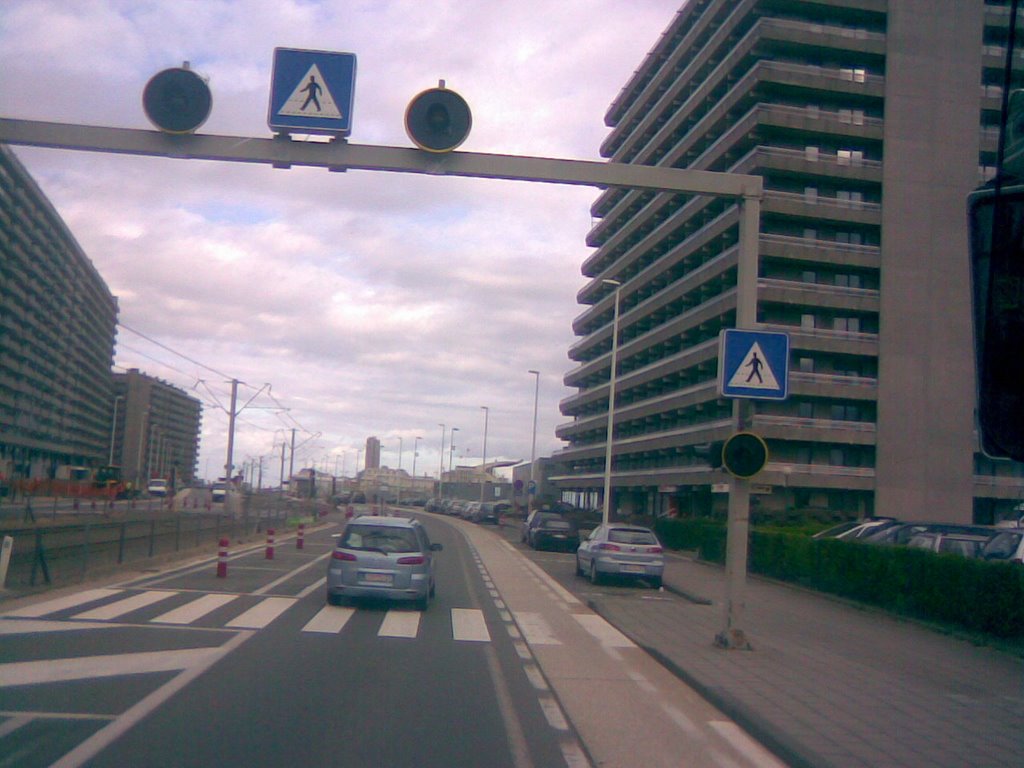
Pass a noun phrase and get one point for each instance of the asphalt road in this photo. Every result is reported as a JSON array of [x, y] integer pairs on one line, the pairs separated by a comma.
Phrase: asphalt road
[[508, 667], [251, 683]]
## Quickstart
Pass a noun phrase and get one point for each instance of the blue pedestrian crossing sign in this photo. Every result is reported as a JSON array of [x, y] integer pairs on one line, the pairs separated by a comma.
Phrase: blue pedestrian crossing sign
[[753, 364], [312, 92]]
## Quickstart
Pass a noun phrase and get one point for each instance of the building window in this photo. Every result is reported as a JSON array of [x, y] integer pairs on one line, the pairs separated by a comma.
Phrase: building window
[[806, 364], [808, 276], [854, 75], [810, 234], [811, 153], [806, 410], [811, 194], [807, 322]]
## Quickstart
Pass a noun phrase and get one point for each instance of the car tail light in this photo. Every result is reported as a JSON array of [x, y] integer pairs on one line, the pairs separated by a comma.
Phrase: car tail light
[[339, 555], [655, 550], [609, 547], [417, 560]]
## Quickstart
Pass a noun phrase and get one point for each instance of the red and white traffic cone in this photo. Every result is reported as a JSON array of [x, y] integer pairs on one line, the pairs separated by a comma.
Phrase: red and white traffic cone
[[270, 544], [222, 560], [299, 543]]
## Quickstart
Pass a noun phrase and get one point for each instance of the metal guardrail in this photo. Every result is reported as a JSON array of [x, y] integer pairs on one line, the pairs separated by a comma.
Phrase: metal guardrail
[[61, 547]]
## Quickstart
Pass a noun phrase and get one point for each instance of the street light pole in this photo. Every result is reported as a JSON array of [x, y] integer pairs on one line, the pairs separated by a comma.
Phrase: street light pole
[[533, 447], [483, 466], [415, 453], [398, 477], [451, 447], [606, 508], [440, 469]]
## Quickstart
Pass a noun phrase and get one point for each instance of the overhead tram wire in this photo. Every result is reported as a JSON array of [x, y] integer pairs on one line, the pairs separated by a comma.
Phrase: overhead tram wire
[[175, 352]]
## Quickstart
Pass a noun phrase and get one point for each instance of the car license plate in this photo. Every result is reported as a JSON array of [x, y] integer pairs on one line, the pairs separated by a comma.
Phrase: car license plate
[[632, 569], [378, 578]]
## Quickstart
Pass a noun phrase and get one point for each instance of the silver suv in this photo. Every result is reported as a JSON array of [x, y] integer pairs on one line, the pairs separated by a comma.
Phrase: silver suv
[[389, 558]]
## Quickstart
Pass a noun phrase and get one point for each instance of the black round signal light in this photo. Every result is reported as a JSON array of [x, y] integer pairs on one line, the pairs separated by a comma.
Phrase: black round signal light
[[177, 100], [438, 120], [744, 454]]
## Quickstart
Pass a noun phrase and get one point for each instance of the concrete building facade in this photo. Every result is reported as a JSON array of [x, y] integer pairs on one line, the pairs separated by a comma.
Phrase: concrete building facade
[[870, 121], [156, 430], [372, 453], [57, 327]]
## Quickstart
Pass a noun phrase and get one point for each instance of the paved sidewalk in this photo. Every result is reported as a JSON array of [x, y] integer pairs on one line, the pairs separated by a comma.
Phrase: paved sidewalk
[[829, 685]]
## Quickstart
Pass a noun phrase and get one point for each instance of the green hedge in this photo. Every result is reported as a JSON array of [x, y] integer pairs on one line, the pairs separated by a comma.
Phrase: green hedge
[[977, 595]]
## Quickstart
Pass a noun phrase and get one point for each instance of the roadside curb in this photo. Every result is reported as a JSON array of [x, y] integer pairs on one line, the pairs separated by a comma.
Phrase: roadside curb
[[785, 748]]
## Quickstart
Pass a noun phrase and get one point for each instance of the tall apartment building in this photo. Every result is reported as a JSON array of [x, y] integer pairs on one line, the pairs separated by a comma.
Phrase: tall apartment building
[[869, 121], [372, 454], [57, 326], [156, 430]]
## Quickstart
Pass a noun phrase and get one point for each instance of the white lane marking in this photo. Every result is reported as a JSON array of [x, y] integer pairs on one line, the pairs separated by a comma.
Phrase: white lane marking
[[331, 619], [261, 614], [60, 603], [746, 746], [469, 624], [535, 629], [553, 713], [573, 754], [400, 624], [535, 677], [566, 596], [685, 724], [14, 723], [30, 626], [56, 715], [194, 610], [522, 650], [604, 632], [121, 607], [110, 733], [291, 574], [87, 667], [318, 584], [723, 761], [645, 685]]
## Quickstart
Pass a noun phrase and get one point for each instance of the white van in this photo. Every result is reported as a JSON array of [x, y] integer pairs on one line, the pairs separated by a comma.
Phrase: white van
[[157, 487]]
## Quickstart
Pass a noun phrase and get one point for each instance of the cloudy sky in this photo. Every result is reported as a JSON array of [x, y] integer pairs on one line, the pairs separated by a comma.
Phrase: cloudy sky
[[370, 303]]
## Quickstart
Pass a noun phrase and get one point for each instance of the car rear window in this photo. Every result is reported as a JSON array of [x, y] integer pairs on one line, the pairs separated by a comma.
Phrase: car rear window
[[629, 536], [379, 538]]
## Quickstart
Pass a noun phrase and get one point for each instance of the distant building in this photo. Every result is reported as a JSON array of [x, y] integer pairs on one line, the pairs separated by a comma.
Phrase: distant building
[[372, 453], [156, 432], [57, 326], [869, 122]]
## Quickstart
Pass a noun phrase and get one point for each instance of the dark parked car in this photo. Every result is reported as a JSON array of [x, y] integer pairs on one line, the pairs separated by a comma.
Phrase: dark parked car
[[902, 533], [486, 513], [549, 530]]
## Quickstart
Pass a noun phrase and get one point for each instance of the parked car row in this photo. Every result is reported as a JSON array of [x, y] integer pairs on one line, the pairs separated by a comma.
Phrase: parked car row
[[616, 550], [489, 512], [977, 541]]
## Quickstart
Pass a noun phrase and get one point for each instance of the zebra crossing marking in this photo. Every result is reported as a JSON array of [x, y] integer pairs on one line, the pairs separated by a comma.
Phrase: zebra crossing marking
[[62, 603], [330, 619], [261, 614], [400, 624], [123, 606], [195, 609]]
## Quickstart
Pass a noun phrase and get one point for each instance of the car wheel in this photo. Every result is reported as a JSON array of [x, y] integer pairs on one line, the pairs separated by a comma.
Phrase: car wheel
[[655, 582], [433, 589], [579, 568], [593, 573], [334, 599], [423, 603]]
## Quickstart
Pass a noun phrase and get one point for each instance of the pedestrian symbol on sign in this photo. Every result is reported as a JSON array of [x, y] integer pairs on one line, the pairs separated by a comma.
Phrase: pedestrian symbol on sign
[[311, 90], [754, 365]]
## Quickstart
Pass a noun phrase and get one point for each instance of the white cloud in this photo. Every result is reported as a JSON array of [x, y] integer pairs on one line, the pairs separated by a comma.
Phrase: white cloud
[[374, 303]]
